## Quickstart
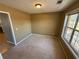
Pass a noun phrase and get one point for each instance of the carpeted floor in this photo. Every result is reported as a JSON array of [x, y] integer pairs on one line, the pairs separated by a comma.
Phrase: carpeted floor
[[36, 47]]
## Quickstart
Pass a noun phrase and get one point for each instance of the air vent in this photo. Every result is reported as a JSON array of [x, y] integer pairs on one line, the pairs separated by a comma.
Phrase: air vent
[[59, 1]]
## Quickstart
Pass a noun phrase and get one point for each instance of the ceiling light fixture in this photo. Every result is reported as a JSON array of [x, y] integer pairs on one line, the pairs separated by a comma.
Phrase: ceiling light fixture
[[38, 5]]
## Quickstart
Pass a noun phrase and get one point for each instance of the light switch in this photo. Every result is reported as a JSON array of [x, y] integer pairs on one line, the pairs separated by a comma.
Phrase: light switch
[[16, 29]]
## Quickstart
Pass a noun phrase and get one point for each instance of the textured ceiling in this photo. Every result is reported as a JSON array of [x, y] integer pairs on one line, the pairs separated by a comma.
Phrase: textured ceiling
[[28, 5]]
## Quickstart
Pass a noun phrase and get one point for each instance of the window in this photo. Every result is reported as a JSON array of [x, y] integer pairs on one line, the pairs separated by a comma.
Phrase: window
[[67, 34], [75, 41], [72, 20], [71, 32]]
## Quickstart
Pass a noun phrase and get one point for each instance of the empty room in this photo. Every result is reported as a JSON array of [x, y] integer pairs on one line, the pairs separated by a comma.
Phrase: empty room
[[39, 29]]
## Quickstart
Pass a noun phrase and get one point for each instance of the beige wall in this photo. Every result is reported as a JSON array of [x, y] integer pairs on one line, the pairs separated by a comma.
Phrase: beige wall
[[72, 7], [46, 23], [20, 20]]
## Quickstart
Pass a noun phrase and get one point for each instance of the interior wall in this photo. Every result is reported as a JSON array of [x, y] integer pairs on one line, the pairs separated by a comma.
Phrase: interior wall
[[20, 20], [72, 7], [46, 23]]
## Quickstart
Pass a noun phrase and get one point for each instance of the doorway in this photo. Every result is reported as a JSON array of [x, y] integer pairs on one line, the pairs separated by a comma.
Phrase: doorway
[[7, 36]]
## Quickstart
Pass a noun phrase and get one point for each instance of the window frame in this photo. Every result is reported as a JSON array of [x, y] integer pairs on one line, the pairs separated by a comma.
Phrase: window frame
[[74, 29]]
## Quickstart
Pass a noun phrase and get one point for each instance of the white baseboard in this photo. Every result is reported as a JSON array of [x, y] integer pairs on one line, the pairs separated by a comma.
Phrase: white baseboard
[[24, 38], [1, 56], [42, 34], [11, 42]]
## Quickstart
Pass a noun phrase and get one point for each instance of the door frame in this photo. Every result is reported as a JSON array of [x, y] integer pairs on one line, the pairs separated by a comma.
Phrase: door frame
[[13, 34]]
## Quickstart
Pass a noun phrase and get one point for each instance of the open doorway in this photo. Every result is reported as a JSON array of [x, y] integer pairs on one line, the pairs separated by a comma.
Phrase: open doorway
[[7, 37]]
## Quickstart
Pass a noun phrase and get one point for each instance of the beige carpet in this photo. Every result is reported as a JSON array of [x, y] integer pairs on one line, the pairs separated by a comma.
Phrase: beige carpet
[[36, 47]]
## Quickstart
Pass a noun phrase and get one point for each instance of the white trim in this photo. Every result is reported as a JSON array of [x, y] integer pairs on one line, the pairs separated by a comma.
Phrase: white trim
[[63, 49], [12, 29], [65, 41], [66, 16], [74, 54], [10, 25], [24, 38], [11, 42], [1, 56]]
